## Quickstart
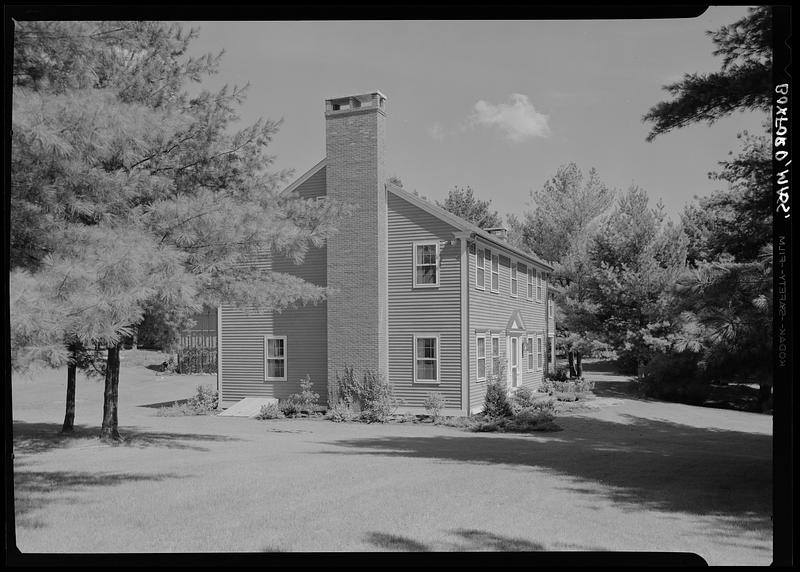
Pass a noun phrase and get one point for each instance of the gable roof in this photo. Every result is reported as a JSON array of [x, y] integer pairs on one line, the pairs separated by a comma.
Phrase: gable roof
[[438, 212], [305, 176], [463, 225]]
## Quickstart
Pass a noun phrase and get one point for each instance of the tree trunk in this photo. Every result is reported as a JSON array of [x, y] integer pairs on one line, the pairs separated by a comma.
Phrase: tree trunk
[[571, 357], [69, 416], [108, 431], [578, 364]]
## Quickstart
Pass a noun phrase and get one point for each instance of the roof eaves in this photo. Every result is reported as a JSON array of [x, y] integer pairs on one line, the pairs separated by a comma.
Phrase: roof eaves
[[305, 176], [462, 224]]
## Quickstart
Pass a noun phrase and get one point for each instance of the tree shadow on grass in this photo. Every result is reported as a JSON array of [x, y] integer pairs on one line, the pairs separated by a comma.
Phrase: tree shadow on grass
[[33, 438], [36, 490], [638, 463], [469, 540]]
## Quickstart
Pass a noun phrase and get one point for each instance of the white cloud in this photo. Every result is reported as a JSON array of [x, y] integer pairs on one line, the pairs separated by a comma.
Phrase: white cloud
[[518, 119], [436, 131]]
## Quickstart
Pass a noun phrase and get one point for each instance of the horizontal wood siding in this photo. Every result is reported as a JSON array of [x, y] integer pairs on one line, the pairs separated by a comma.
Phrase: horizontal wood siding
[[243, 330], [425, 310], [490, 311]]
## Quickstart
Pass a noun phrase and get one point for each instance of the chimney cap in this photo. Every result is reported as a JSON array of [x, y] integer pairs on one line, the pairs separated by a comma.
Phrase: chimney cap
[[371, 100], [500, 232]]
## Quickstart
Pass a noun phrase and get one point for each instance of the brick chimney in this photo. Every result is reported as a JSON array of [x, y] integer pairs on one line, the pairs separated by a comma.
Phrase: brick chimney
[[357, 262], [499, 231]]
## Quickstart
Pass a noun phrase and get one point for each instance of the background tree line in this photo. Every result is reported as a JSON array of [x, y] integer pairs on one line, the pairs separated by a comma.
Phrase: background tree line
[[682, 303]]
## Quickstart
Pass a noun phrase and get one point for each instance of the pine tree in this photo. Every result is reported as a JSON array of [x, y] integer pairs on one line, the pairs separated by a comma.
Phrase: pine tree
[[131, 195], [743, 83], [566, 214], [461, 201]]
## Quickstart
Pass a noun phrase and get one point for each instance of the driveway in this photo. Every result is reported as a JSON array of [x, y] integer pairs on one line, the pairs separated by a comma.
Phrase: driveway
[[623, 475]]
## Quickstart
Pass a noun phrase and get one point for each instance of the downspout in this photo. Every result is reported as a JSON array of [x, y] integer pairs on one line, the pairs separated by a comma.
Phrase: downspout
[[219, 357]]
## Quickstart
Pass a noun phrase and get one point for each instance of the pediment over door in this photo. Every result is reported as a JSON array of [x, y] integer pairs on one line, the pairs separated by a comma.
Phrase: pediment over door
[[515, 323]]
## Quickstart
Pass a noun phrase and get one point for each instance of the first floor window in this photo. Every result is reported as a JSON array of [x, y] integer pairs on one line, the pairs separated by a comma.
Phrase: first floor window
[[426, 264], [426, 358], [539, 356], [481, 358], [495, 355], [530, 353], [275, 358]]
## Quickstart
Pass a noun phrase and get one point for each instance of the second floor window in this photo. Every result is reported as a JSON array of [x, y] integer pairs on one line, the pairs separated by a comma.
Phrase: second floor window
[[495, 273], [530, 283], [426, 264], [480, 270], [539, 286], [514, 279]]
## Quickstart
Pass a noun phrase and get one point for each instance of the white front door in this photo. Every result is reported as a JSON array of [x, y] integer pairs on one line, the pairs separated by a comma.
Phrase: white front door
[[513, 361]]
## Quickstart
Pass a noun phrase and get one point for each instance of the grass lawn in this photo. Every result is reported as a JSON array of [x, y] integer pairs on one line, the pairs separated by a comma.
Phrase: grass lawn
[[624, 474]]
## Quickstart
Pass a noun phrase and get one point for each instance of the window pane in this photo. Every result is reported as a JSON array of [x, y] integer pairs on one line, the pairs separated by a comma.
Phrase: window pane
[[426, 275], [481, 347], [495, 283], [481, 277], [481, 368], [495, 264], [275, 368], [479, 258], [495, 346], [274, 348], [426, 369], [426, 348]]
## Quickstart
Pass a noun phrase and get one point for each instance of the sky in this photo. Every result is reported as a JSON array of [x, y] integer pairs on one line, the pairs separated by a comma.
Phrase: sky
[[496, 105]]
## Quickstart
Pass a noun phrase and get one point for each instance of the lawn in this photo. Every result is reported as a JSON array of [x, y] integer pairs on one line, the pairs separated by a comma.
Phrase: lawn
[[623, 475]]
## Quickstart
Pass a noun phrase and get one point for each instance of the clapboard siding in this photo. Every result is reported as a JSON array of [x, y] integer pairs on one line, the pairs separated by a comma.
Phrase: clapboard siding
[[243, 329], [422, 311], [490, 312]]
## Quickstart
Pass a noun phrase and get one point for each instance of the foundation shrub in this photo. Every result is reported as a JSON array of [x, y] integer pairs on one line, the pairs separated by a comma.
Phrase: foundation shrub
[[434, 403], [269, 411], [370, 396], [495, 402], [204, 402]]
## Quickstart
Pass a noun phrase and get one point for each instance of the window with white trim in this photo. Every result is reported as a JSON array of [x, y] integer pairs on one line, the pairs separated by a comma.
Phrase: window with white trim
[[530, 353], [550, 309], [539, 356], [539, 286], [426, 264], [480, 269], [495, 273], [531, 272], [275, 358], [481, 357], [495, 355], [514, 279], [426, 358]]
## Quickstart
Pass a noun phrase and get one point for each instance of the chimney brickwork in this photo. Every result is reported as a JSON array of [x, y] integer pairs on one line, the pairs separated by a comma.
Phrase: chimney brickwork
[[357, 254]]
